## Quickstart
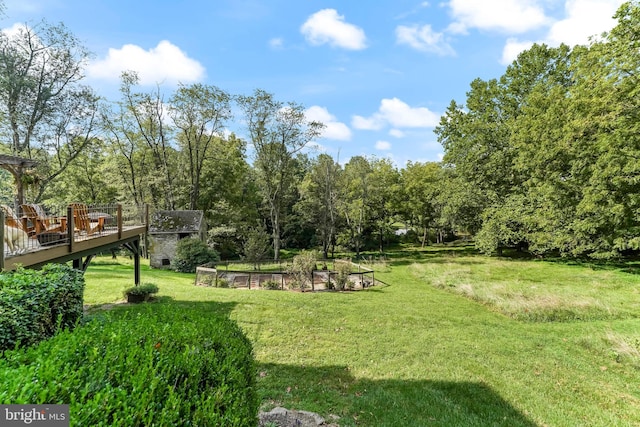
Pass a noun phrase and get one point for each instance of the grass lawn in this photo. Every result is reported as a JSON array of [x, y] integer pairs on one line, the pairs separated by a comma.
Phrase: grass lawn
[[452, 338]]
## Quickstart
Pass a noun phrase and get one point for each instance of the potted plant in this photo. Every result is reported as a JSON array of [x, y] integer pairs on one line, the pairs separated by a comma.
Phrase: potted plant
[[140, 293]]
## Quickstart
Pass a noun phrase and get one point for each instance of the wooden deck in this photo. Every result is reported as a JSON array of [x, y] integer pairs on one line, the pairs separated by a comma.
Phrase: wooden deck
[[79, 248]]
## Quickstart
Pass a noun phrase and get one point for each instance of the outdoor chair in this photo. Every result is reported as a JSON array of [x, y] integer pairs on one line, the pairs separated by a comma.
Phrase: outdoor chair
[[83, 222], [40, 221]]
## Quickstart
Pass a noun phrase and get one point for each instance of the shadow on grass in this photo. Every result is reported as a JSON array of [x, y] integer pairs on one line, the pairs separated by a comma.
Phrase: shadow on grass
[[332, 390], [222, 309], [630, 266]]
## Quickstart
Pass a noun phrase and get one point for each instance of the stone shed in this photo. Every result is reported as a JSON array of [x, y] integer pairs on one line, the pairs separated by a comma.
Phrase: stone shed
[[166, 228]]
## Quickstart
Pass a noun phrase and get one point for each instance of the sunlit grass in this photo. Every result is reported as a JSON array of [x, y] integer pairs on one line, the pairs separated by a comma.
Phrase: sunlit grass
[[439, 344], [536, 290]]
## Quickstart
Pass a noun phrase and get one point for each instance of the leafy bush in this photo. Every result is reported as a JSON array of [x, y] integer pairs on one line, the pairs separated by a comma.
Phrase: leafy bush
[[223, 283], [149, 365], [343, 269], [302, 267], [141, 292], [191, 253], [34, 305], [271, 285], [143, 289]]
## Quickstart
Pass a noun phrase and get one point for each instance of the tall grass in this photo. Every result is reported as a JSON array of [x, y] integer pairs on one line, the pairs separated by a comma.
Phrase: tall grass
[[445, 342]]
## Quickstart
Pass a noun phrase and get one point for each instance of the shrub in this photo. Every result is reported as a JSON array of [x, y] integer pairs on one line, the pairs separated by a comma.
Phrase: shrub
[[343, 269], [223, 283], [271, 285], [191, 253], [34, 305], [149, 365], [302, 267], [141, 292]]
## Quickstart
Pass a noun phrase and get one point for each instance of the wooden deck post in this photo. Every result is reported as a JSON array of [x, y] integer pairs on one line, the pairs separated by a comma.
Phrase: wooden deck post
[[70, 227], [119, 215], [136, 262]]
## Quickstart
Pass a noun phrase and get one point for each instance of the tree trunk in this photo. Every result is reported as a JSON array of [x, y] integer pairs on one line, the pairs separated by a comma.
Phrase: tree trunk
[[275, 219]]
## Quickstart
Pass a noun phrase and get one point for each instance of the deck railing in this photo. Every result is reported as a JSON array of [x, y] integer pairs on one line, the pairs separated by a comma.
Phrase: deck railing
[[65, 225]]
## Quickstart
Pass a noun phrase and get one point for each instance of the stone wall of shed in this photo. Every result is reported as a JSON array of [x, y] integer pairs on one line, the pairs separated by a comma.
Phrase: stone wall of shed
[[162, 249]]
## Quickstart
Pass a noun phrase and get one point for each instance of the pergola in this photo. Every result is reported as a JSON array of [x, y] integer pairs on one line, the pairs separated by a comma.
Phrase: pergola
[[17, 166]]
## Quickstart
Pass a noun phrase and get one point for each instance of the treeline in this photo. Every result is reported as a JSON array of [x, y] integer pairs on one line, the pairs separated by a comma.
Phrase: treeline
[[552, 148], [544, 159]]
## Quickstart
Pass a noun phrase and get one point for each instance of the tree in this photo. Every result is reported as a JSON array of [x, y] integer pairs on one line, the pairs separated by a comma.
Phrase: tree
[[145, 121], [354, 201], [319, 199], [385, 199], [126, 153], [200, 113], [475, 137], [420, 188], [256, 246], [88, 179], [47, 114], [278, 132], [607, 112]]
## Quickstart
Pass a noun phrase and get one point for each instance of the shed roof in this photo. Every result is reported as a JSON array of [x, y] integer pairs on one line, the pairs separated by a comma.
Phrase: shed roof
[[176, 222]]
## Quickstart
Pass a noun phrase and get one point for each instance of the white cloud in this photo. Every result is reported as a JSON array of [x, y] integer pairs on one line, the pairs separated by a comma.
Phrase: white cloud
[[334, 129], [401, 115], [15, 30], [423, 39], [512, 49], [509, 16], [398, 114], [383, 146], [396, 133], [326, 26], [584, 18], [372, 123], [276, 43], [163, 63]]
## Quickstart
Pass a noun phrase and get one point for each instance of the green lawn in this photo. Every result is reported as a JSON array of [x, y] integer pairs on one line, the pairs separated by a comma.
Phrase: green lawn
[[452, 338]]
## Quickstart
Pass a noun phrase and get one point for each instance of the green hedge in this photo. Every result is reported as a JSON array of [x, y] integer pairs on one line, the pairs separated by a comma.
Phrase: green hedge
[[154, 364], [35, 304], [191, 253]]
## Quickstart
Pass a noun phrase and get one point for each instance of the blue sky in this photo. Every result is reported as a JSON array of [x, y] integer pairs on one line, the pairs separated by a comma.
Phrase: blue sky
[[379, 73]]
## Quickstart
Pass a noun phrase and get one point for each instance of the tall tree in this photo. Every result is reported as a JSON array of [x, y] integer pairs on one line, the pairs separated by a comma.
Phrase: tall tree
[[47, 114], [278, 131], [319, 199], [421, 190], [147, 114], [354, 201], [200, 113], [384, 200], [606, 101], [126, 153]]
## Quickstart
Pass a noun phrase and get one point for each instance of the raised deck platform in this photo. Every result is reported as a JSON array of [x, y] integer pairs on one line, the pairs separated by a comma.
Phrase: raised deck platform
[[79, 246]]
